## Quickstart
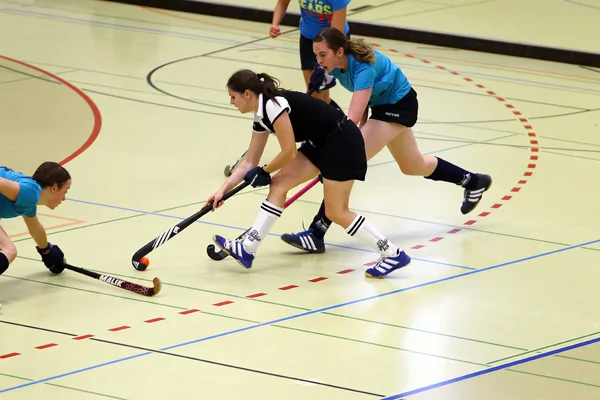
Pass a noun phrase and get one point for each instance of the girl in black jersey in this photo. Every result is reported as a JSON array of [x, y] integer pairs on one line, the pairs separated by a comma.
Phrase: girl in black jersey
[[333, 146]]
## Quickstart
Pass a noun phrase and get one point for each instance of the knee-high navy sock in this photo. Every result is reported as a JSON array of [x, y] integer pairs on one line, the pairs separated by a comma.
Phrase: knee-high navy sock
[[3, 263], [320, 223], [449, 172]]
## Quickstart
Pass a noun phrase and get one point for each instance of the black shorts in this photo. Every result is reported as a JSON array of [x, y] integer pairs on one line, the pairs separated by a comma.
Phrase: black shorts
[[307, 56], [403, 112], [341, 156]]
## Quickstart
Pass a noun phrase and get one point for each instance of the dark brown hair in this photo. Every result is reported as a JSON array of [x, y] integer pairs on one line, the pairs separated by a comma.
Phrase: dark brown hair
[[49, 173], [261, 83], [336, 39]]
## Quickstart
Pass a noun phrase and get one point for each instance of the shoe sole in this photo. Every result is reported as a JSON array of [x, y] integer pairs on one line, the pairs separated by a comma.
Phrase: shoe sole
[[229, 254], [303, 248], [368, 275], [486, 189]]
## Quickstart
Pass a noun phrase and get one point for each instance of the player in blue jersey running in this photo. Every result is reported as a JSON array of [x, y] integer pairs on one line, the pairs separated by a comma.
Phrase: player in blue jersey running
[[19, 196], [314, 16], [381, 86]]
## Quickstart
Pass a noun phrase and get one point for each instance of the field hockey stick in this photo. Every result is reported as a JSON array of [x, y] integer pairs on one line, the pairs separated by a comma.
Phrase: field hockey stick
[[229, 168], [141, 265], [220, 255], [120, 283]]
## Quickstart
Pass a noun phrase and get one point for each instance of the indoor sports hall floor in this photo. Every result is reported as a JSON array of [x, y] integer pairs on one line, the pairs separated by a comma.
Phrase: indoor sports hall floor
[[500, 304]]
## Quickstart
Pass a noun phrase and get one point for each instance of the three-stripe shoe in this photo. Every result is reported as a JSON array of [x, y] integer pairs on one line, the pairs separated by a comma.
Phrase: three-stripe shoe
[[235, 249], [305, 240], [387, 264], [473, 196]]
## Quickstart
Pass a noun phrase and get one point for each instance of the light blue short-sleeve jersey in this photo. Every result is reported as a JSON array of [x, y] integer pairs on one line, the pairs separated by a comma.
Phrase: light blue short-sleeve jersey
[[315, 15], [387, 80], [29, 194]]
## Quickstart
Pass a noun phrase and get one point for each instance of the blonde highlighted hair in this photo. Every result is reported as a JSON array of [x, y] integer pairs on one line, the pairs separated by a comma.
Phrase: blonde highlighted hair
[[336, 39]]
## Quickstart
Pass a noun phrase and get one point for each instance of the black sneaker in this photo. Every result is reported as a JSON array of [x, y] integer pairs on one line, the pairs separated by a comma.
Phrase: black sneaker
[[305, 240], [473, 196]]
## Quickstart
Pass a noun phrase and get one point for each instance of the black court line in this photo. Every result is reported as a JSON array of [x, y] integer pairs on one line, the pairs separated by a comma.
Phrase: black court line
[[240, 117], [166, 353], [163, 105], [446, 8], [590, 68], [417, 85], [149, 76], [505, 145]]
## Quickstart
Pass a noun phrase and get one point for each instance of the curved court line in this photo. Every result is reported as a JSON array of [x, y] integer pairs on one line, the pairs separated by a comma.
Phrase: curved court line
[[530, 70], [320, 310], [95, 111]]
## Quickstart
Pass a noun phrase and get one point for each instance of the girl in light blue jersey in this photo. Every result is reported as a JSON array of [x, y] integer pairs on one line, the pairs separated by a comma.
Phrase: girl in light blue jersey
[[381, 86], [19, 196], [315, 15]]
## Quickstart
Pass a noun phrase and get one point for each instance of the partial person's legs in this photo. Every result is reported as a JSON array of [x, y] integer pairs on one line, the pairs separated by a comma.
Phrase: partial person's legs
[[376, 135], [336, 197], [295, 173], [405, 151], [8, 251]]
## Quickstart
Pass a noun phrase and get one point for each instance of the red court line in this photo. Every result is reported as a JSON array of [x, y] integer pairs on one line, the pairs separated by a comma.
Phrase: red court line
[[415, 247], [82, 337], [522, 120], [45, 346], [154, 320], [95, 111], [9, 355], [119, 328]]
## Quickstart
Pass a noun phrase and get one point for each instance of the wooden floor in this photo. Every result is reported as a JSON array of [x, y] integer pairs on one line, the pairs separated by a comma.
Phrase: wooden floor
[[500, 304]]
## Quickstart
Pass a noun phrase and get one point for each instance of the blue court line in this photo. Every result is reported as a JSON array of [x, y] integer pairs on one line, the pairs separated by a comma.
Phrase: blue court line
[[320, 310], [490, 370], [243, 229]]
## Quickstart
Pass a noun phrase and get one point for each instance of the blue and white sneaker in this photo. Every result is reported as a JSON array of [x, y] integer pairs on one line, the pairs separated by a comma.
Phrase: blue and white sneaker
[[387, 264], [305, 240], [236, 250]]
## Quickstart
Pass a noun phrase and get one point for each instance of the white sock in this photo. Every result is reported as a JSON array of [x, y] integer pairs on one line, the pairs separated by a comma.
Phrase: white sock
[[362, 229], [267, 215]]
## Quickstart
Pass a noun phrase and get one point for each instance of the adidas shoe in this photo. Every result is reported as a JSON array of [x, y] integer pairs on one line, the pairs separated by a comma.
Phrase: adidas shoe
[[236, 250], [305, 240], [473, 196], [387, 264]]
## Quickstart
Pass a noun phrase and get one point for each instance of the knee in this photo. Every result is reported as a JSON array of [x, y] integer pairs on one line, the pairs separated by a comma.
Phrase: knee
[[411, 170], [278, 186], [414, 167], [10, 251]]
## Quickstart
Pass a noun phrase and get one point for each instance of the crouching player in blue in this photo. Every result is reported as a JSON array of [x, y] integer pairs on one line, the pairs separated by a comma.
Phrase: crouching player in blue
[[19, 196], [333, 146]]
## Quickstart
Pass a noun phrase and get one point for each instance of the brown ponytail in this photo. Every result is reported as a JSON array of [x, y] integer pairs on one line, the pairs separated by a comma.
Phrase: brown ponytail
[[336, 39], [260, 83]]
